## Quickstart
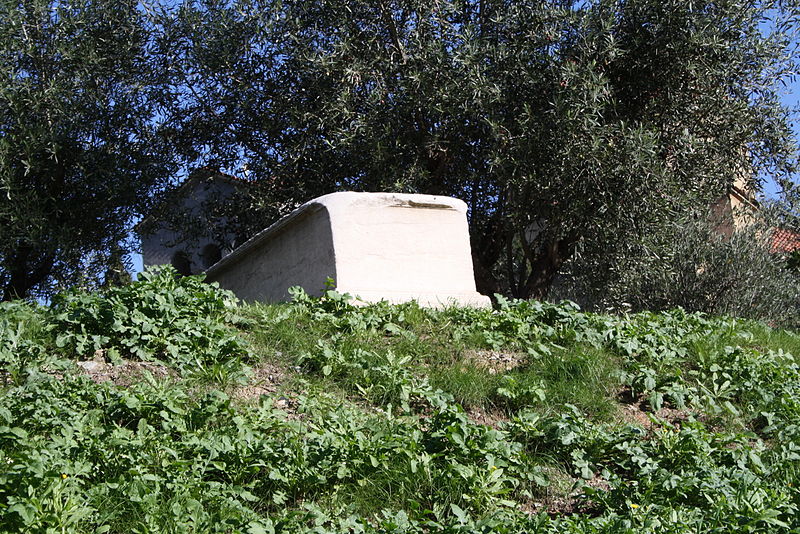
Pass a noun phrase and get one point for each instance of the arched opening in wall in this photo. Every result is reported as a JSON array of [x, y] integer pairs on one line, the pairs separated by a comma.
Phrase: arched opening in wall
[[210, 255], [182, 263]]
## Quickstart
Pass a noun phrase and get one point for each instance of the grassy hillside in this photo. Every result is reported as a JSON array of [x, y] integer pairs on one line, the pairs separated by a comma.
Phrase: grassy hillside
[[165, 406]]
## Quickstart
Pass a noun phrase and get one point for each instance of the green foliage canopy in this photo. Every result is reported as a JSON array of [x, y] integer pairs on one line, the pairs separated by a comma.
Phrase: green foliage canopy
[[560, 123], [564, 125], [79, 158]]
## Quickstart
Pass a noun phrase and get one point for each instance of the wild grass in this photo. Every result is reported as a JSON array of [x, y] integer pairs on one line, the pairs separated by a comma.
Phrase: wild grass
[[531, 417]]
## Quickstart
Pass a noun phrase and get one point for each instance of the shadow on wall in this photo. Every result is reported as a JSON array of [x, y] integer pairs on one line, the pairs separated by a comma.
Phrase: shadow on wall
[[209, 255]]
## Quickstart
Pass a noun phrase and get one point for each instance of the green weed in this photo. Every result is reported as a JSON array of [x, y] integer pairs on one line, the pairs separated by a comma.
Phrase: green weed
[[379, 435]]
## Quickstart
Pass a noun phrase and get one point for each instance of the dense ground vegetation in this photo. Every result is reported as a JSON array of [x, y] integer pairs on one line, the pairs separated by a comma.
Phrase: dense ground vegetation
[[166, 406]]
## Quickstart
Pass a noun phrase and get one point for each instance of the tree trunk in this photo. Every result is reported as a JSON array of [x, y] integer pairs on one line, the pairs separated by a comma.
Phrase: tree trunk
[[545, 267], [23, 277], [17, 286]]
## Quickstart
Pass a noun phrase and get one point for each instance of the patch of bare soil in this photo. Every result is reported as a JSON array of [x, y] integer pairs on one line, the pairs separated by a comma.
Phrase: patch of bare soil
[[495, 361], [266, 380], [636, 410], [565, 495], [490, 418], [124, 373]]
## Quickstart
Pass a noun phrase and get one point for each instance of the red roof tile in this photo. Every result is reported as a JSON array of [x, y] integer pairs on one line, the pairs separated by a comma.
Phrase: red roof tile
[[784, 240]]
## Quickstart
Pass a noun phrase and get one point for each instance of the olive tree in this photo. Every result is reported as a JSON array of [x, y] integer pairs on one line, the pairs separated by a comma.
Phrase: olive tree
[[79, 155], [563, 124]]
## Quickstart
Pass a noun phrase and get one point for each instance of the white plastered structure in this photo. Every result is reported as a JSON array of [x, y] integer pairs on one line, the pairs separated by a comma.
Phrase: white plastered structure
[[375, 246]]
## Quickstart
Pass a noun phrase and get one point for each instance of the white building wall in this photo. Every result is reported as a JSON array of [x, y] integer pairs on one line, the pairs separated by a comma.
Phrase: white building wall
[[376, 246]]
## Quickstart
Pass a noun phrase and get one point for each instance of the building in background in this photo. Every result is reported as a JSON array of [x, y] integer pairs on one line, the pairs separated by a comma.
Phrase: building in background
[[736, 209], [187, 229], [739, 208]]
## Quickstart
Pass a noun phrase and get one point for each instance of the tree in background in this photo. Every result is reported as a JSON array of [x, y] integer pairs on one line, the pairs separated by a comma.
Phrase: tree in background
[[79, 158], [563, 125], [690, 264]]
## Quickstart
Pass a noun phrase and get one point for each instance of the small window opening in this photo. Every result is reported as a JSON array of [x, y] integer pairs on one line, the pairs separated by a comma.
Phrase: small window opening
[[210, 255], [182, 263]]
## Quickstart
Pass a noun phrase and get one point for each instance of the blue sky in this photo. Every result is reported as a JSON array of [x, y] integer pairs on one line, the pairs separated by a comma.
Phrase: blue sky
[[791, 99]]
